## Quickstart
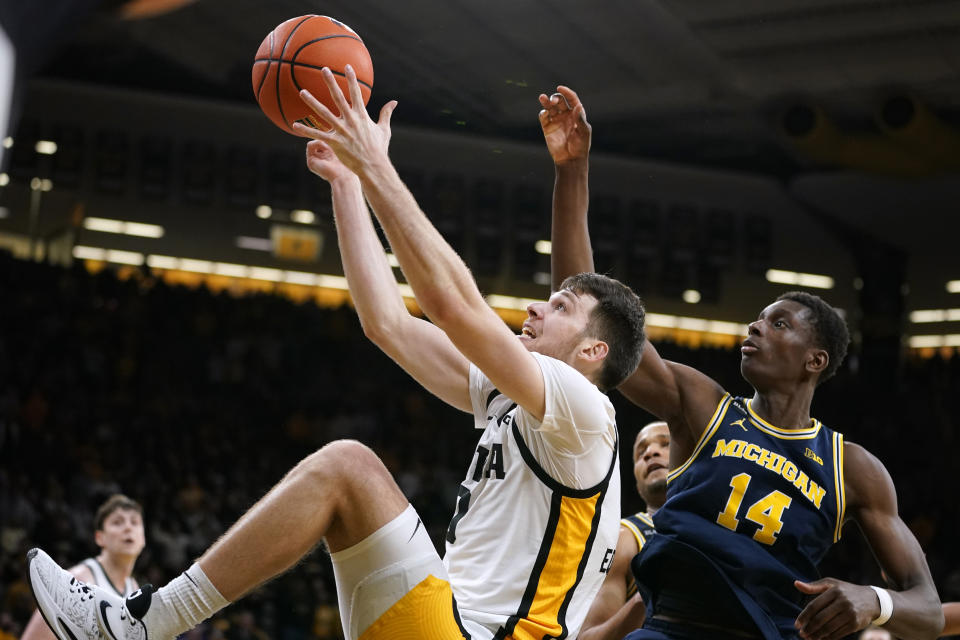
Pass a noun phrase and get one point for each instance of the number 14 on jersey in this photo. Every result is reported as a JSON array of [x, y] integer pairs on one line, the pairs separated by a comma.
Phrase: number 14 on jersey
[[767, 512]]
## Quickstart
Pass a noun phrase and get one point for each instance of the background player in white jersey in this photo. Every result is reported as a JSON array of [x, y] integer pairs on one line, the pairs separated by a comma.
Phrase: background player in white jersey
[[618, 608], [538, 510], [118, 531]]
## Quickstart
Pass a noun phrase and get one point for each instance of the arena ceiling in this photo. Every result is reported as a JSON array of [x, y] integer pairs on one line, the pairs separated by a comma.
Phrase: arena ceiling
[[697, 81]]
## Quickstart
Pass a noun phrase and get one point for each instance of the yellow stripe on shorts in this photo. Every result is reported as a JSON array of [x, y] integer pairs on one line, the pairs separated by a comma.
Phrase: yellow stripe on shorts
[[424, 613]]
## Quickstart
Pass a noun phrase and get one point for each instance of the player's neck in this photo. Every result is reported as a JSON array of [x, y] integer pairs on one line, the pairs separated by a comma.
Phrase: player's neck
[[118, 567], [784, 410]]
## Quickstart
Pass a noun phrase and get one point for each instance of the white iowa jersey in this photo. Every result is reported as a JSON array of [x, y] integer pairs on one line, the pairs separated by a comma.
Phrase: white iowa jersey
[[538, 515]]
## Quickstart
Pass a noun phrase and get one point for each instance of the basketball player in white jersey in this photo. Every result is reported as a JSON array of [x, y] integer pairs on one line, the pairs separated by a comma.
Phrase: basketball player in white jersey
[[118, 531], [618, 608], [538, 510]]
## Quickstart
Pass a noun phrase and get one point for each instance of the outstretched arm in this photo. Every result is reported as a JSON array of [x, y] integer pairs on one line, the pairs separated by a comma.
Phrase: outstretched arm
[[567, 134], [612, 615], [841, 608], [440, 280], [680, 395], [422, 349]]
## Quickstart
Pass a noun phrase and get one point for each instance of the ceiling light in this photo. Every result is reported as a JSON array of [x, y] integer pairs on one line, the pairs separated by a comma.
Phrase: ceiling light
[[302, 216], [46, 147]]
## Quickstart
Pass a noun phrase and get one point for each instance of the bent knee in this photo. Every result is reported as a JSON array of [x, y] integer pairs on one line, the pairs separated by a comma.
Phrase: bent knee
[[344, 458]]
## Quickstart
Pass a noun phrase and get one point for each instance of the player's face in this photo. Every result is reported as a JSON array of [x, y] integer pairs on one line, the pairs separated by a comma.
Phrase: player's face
[[778, 346], [122, 533], [651, 461], [555, 327]]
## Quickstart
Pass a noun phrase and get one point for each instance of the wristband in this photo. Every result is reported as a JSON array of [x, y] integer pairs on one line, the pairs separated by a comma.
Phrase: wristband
[[886, 606]]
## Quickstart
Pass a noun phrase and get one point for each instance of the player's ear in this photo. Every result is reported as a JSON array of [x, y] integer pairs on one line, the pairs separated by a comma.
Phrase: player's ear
[[594, 350], [817, 360], [98, 538]]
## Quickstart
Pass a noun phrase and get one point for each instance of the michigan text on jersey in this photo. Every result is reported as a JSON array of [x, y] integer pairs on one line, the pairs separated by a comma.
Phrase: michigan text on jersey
[[774, 462]]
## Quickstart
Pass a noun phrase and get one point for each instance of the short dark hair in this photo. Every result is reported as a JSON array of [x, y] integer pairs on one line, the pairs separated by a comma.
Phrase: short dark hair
[[617, 320], [829, 329], [114, 502]]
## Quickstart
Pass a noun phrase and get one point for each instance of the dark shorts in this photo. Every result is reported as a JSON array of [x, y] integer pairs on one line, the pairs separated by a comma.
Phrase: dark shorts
[[654, 629]]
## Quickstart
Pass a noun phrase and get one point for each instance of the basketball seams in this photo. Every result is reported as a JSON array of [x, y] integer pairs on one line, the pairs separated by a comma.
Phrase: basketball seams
[[263, 80], [294, 63], [280, 67], [315, 68], [308, 49]]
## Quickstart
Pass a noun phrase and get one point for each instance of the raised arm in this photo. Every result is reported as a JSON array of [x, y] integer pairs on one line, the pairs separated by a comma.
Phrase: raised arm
[[567, 134], [422, 349], [840, 608], [682, 396], [443, 285]]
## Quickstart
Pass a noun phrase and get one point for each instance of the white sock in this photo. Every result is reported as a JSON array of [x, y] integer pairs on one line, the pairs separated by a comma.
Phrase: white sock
[[182, 604]]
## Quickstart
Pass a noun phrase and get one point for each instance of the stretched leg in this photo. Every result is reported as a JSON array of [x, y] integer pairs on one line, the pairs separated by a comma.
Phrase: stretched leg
[[341, 493]]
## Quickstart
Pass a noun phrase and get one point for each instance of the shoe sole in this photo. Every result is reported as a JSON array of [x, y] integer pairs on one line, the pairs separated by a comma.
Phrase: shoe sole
[[31, 556]]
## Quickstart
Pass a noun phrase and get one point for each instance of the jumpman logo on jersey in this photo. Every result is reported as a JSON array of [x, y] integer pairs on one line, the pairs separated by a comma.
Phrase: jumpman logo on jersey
[[739, 423]]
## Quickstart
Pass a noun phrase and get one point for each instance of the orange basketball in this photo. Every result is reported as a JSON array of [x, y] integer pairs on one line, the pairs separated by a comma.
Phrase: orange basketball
[[291, 57]]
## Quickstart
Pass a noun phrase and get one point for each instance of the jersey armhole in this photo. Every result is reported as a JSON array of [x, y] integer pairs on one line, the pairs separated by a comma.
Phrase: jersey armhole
[[705, 437], [838, 484]]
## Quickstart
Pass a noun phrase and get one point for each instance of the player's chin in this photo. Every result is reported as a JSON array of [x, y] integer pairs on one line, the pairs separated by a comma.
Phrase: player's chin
[[754, 371]]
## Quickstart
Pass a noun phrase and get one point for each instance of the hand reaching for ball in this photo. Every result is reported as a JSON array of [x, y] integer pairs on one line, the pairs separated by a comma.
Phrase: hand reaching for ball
[[354, 137]]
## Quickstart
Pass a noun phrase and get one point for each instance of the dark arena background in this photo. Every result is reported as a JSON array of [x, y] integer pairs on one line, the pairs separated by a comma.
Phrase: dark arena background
[[173, 319]]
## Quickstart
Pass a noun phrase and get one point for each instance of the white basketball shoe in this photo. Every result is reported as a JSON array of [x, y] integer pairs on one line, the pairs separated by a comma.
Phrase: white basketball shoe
[[74, 609]]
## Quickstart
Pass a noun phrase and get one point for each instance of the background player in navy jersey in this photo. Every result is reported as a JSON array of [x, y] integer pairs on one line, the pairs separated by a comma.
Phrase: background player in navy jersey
[[618, 608], [759, 490]]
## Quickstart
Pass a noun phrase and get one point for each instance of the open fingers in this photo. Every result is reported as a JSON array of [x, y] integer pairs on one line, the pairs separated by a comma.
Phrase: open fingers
[[386, 112], [356, 98], [318, 107], [336, 94], [310, 132]]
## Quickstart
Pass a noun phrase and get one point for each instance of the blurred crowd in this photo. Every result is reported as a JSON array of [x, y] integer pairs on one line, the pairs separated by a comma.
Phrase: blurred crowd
[[196, 403]]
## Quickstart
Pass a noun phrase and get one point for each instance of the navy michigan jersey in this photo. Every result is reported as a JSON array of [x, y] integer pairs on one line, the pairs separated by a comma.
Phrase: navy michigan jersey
[[641, 526], [754, 508]]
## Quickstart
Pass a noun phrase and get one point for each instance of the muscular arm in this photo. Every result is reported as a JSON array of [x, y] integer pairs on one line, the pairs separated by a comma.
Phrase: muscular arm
[[422, 349], [682, 396], [951, 616], [841, 608], [567, 134], [441, 282], [612, 616], [36, 628]]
